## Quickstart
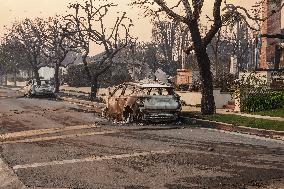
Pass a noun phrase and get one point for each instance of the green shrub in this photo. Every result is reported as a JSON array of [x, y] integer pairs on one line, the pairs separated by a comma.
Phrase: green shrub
[[263, 101]]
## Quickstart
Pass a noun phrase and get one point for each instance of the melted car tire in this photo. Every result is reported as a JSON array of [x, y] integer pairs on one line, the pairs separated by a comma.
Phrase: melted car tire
[[29, 95], [128, 115]]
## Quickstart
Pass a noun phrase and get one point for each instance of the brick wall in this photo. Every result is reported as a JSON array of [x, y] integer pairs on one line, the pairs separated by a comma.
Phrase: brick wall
[[184, 77], [271, 26]]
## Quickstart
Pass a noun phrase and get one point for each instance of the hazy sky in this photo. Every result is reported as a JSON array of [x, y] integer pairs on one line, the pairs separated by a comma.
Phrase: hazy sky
[[11, 10], [18, 9]]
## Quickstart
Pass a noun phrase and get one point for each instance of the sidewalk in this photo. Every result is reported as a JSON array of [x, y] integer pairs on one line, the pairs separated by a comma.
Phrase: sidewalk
[[230, 112], [13, 88], [223, 111]]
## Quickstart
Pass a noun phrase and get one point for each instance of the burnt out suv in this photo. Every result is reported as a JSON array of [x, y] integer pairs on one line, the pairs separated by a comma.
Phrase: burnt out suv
[[143, 102]]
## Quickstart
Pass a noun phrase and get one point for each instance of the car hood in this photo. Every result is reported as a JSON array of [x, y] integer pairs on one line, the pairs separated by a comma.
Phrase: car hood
[[44, 87], [161, 103]]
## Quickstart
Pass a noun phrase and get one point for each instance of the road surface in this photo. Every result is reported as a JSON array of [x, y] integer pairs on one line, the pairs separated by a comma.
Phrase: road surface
[[52, 144]]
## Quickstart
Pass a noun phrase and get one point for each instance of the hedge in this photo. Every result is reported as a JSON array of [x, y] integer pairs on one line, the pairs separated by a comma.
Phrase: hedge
[[263, 101]]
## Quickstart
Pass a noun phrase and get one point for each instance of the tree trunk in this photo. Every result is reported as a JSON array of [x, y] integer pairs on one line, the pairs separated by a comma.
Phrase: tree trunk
[[94, 88], [30, 73], [36, 75], [15, 78], [92, 79], [56, 78], [6, 79], [207, 101], [216, 64]]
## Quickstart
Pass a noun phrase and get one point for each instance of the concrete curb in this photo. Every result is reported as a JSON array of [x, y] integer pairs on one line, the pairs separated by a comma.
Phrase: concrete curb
[[11, 88], [8, 179], [279, 135], [95, 106]]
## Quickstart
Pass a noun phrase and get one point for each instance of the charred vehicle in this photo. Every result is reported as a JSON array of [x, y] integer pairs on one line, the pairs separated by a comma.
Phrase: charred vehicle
[[34, 89], [143, 102]]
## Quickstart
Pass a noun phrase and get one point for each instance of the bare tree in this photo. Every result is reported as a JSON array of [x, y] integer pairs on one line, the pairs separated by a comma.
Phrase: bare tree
[[57, 47], [170, 38], [12, 57], [191, 18], [90, 27], [30, 33], [164, 34]]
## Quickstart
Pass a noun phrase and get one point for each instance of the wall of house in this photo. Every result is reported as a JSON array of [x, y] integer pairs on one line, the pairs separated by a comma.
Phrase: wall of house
[[194, 98], [19, 84], [46, 73]]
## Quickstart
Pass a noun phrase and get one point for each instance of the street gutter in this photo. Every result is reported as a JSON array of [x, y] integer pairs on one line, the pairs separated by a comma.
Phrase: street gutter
[[95, 106]]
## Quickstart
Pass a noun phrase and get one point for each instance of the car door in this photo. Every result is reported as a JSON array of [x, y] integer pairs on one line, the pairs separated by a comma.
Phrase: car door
[[113, 107], [27, 88]]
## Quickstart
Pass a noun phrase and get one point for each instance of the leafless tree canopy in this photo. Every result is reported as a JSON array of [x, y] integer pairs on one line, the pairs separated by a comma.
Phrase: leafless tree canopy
[[57, 47], [31, 34], [88, 19]]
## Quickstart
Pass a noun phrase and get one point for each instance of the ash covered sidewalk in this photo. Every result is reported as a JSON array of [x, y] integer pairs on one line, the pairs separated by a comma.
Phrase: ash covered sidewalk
[[230, 112]]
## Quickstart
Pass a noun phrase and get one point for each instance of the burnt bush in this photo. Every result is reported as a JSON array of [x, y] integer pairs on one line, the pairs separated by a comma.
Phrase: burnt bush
[[224, 82]]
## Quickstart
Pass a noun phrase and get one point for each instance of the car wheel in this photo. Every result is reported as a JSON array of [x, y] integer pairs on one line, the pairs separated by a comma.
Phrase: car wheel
[[54, 95], [104, 112], [138, 117], [29, 95], [128, 115]]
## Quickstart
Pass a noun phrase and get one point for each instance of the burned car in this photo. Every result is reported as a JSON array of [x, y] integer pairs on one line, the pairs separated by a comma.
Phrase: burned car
[[43, 89], [143, 102]]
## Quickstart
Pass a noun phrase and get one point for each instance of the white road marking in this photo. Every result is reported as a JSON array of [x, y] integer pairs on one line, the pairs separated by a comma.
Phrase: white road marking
[[44, 131], [280, 140], [42, 139], [4, 97], [89, 159]]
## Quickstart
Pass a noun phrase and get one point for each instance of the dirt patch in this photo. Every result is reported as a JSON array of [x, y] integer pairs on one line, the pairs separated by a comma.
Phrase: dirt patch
[[11, 126]]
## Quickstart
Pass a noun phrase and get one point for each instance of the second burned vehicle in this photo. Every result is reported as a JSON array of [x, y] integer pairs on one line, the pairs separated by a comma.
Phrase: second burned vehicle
[[143, 102], [44, 88]]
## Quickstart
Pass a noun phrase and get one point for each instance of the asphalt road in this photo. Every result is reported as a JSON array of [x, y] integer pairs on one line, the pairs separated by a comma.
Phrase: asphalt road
[[51, 144]]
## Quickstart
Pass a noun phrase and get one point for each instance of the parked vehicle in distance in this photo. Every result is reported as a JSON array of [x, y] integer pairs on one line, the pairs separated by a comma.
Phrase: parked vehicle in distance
[[33, 89], [143, 102]]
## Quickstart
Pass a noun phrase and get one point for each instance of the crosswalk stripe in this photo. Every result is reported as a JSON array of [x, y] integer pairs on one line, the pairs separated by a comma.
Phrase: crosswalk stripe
[[89, 159], [42, 139], [44, 131]]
